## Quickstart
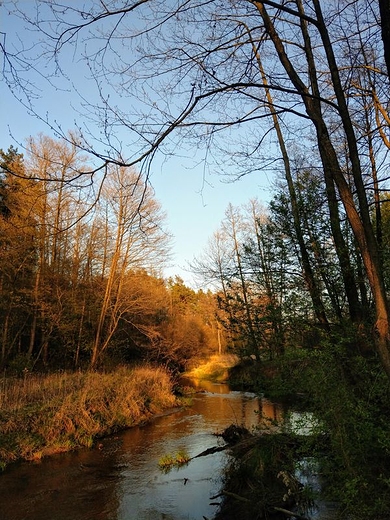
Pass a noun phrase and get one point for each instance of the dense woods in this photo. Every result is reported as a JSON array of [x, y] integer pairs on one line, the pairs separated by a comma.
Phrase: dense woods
[[297, 288], [81, 279], [296, 88]]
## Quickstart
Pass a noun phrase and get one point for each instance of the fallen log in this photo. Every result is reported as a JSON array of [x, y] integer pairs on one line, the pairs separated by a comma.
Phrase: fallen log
[[231, 495], [209, 451]]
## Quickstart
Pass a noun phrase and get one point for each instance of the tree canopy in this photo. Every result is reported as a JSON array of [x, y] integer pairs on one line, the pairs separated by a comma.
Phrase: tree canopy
[[251, 84]]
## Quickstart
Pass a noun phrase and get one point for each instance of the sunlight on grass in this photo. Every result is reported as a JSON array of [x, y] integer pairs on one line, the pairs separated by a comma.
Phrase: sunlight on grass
[[215, 368], [45, 414]]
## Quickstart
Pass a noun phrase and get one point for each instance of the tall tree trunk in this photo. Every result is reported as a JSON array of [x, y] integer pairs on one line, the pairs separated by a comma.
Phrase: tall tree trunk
[[384, 8], [363, 227], [33, 329], [4, 338], [359, 220], [244, 286], [347, 273], [308, 273]]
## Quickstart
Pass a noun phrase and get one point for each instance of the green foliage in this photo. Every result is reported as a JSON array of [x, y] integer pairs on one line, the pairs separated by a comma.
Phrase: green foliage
[[349, 395], [342, 385]]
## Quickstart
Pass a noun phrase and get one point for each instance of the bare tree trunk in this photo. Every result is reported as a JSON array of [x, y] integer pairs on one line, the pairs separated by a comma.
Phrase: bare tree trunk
[[362, 226], [359, 220], [384, 8], [244, 286], [80, 334], [4, 338], [33, 329], [339, 242], [308, 273]]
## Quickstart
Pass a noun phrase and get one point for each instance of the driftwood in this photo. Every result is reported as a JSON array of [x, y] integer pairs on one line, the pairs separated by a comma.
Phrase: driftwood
[[231, 495], [286, 512], [232, 436]]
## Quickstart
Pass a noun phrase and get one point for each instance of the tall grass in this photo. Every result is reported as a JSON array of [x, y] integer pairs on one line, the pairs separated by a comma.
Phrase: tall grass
[[44, 414]]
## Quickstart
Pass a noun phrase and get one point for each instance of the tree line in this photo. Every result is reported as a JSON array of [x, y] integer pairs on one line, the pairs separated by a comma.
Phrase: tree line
[[81, 277], [259, 266], [82, 282], [299, 89]]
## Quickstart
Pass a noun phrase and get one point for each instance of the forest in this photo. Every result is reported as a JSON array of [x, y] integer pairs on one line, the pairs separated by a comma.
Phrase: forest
[[82, 278], [298, 289], [81, 281]]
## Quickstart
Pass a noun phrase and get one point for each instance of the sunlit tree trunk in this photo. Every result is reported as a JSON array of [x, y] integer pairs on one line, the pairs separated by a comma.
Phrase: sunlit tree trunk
[[232, 223], [359, 220], [139, 241]]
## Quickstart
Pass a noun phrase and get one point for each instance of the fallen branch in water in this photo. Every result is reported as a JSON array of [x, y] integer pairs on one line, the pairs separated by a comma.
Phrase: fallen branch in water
[[209, 451], [231, 495], [234, 495]]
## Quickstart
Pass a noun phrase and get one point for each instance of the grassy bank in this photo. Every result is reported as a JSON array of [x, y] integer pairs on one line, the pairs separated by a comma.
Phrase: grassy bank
[[215, 369], [45, 414]]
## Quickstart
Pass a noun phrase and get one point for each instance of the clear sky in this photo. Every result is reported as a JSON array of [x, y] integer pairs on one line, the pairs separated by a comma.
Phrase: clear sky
[[195, 202]]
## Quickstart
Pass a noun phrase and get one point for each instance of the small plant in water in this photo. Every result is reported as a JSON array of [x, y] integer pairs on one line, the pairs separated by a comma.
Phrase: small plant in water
[[167, 462]]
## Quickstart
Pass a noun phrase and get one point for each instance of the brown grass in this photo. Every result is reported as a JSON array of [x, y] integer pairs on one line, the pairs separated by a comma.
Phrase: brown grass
[[215, 368], [40, 415]]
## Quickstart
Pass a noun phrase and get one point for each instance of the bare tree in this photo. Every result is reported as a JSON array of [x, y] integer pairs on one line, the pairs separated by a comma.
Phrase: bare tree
[[187, 72], [139, 242]]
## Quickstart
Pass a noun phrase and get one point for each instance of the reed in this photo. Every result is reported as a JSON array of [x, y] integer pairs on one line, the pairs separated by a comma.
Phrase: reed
[[45, 414]]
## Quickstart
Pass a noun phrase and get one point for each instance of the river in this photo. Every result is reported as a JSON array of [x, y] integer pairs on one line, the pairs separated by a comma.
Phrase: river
[[120, 478]]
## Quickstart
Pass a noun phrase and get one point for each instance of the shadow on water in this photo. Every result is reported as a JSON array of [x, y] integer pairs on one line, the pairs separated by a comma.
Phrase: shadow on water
[[121, 479]]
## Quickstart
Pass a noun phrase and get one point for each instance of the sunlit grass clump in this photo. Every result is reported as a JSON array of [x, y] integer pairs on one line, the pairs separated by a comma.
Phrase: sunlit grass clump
[[45, 414], [168, 462], [215, 368]]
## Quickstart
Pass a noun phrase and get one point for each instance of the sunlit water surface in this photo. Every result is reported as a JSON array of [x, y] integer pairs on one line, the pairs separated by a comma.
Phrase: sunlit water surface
[[122, 480]]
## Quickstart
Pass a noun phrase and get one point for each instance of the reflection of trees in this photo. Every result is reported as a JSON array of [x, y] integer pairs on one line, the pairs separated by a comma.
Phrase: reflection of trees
[[71, 486], [259, 408], [102, 483]]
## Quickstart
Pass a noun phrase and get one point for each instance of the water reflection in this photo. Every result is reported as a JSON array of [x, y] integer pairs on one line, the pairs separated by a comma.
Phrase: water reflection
[[121, 481]]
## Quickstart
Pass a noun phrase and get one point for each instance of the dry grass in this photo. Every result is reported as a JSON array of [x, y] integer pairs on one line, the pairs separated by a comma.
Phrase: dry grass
[[40, 415], [215, 368]]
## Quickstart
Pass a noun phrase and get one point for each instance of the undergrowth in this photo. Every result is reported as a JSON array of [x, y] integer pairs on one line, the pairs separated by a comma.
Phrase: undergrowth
[[348, 393]]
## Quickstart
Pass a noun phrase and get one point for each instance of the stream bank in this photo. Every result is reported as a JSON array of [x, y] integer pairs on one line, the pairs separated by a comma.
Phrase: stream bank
[[349, 397], [41, 415], [120, 479]]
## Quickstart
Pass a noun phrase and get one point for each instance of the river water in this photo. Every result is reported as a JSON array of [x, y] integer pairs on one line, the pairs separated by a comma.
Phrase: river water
[[121, 480]]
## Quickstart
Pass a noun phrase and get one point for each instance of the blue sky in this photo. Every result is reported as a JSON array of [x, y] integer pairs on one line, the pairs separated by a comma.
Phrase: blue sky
[[195, 201]]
